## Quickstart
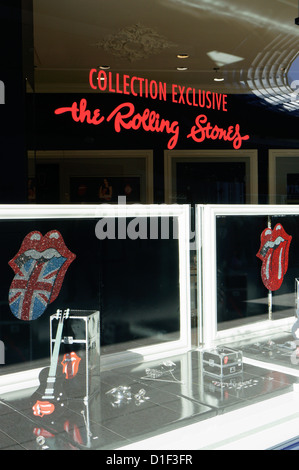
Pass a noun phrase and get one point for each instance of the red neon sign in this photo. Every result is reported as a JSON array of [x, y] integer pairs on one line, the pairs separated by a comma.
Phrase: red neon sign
[[144, 88], [125, 117], [199, 132], [81, 114]]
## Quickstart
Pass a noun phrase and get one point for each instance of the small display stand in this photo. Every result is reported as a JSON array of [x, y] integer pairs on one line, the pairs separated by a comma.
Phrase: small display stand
[[79, 354]]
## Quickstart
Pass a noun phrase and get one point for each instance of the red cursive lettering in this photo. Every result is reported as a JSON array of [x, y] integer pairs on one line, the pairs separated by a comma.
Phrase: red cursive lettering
[[199, 132], [150, 121], [81, 114], [125, 117]]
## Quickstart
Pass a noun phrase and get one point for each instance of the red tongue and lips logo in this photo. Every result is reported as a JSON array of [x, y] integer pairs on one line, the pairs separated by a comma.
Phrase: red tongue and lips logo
[[40, 267], [274, 253]]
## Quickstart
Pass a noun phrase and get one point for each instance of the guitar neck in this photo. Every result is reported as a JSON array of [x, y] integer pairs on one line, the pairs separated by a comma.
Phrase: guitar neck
[[49, 391]]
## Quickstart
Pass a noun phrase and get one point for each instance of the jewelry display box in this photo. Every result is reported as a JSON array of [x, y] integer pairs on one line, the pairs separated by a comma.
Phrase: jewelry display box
[[222, 362]]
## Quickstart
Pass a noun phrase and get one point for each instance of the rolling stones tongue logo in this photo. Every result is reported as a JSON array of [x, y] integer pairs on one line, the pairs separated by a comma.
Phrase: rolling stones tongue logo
[[39, 266], [70, 365], [274, 253]]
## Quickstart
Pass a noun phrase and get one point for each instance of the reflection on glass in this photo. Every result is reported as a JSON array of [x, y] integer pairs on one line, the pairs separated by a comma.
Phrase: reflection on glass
[[211, 182]]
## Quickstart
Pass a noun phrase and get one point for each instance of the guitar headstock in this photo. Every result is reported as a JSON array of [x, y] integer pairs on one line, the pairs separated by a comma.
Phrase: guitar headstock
[[66, 313], [58, 314], [62, 315]]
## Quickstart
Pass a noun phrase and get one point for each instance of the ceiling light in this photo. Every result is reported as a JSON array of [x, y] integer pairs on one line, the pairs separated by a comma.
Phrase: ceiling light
[[182, 68], [104, 67], [218, 77], [182, 56], [222, 58]]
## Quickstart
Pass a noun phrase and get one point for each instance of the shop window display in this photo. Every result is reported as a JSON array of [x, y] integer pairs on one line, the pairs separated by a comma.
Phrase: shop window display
[[118, 324], [112, 352], [132, 274]]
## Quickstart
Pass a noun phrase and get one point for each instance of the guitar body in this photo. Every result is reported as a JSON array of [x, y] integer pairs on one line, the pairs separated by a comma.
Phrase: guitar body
[[46, 408], [58, 381], [48, 402]]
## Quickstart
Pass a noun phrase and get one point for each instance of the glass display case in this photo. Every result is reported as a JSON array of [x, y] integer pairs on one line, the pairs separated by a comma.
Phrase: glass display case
[[247, 271], [129, 262]]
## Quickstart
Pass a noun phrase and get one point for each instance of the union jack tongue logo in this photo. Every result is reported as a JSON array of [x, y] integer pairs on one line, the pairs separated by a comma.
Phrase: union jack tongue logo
[[39, 266]]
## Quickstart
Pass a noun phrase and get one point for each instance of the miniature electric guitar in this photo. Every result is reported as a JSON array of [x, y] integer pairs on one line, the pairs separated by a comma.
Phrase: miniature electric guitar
[[46, 407]]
